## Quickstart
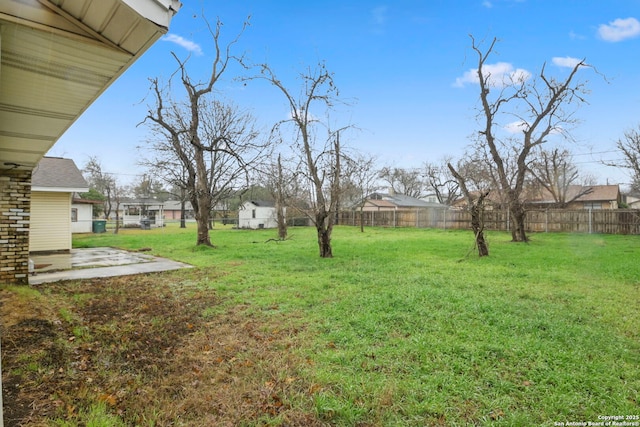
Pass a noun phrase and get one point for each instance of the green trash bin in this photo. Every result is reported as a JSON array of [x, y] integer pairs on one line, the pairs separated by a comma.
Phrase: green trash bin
[[99, 226]]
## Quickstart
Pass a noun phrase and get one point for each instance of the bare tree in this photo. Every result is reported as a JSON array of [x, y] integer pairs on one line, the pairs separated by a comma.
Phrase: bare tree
[[146, 187], [319, 158], [200, 130], [403, 181], [103, 182], [119, 192], [361, 174], [539, 107], [475, 202], [629, 146], [554, 171], [281, 201], [439, 178], [278, 181], [163, 164]]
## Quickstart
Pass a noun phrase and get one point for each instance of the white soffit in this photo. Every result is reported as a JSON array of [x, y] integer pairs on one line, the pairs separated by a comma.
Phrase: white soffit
[[57, 57]]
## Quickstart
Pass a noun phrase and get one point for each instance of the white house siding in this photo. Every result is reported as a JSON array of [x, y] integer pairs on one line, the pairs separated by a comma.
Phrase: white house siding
[[50, 226], [84, 223], [252, 216]]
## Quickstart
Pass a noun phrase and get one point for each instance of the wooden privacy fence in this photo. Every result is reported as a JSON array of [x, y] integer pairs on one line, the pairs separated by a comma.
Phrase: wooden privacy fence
[[603, 221]]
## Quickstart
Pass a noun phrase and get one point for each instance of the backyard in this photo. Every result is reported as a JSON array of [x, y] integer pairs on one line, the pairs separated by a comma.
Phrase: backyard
[[403, 327]]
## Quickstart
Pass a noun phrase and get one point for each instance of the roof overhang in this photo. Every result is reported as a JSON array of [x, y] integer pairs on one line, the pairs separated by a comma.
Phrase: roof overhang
[[57, 57], [60, 189]]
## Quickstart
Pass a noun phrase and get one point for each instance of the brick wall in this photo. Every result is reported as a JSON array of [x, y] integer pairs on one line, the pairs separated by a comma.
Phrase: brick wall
[[15, 207]]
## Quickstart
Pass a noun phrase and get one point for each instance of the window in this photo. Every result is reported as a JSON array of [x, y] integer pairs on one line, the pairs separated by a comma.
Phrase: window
[[74, 215], [253, 213]]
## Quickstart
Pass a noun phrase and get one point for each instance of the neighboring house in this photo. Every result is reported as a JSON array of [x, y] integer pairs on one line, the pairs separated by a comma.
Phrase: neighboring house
[[134, 211], [600, 197], [257, 214], [53, 183], [579, 197], [492, 201], [82, 214], [393, 201], [583, 197], [172, 210], [632, 200]]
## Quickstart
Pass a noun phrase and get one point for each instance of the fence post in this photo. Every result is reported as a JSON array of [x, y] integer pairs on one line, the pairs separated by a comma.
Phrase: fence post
[[546, 220], [590, 219]]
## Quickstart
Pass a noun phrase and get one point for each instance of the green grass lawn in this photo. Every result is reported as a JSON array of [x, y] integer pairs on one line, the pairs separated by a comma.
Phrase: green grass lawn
[[408, 327]]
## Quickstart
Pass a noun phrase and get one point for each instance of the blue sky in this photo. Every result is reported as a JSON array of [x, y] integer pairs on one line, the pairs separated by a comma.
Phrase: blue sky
[[403, 67]]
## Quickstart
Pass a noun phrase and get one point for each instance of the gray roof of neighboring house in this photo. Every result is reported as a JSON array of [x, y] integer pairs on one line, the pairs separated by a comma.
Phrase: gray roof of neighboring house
[[175, 205], [262, 203], [58, 174], [601, 192], [588, 193], [402, 201], [141, 201]]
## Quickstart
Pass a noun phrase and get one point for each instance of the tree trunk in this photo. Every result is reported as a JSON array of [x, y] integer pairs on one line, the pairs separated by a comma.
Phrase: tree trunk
[[324, 241], [203, 199], [518, 214], [203, 220], [281, 217], [477, 225], [481, 244], [282, 221], [324, 227], [182, 215], [203, 232], [362, 219], [115, 231]]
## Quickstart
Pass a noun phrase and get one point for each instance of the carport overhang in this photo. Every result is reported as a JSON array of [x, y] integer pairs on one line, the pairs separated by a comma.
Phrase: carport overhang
[[57, 57]]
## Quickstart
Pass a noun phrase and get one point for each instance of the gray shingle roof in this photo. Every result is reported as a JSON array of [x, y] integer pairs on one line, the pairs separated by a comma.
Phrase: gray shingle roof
[[56, 172], [175, 205], [402, 201], [263, 203]]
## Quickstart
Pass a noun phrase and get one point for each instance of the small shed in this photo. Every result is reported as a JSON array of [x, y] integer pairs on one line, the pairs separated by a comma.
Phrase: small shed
[[257, 214]]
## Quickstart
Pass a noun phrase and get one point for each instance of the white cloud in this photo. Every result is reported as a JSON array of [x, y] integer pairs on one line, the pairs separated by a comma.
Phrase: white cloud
[[516, 127], [497, 75], [182, 42], [487, 4], [619, 30], [522, 126], [566, 61]]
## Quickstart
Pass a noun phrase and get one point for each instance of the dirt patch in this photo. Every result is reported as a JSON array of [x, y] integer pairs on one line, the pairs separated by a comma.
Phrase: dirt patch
[[154, 350]]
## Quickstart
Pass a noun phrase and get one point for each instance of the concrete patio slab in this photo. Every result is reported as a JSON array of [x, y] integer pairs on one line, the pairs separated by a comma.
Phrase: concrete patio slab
[[96, 262]]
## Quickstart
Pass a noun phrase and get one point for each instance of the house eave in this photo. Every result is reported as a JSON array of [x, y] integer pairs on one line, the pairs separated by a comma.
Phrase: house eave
[[57, 57], [60, 189]]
